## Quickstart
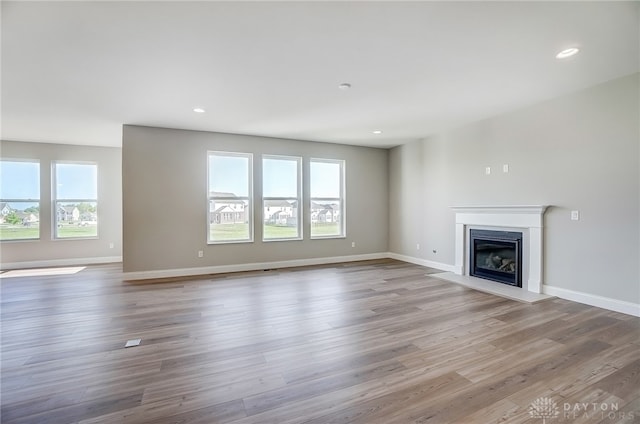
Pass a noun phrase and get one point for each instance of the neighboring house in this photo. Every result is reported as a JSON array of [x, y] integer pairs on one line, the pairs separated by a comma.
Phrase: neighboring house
[[89, 216], [68, 213], [28, 218], [5, 209], [280, 212], [226, 209], [228, 214], [321, 213]]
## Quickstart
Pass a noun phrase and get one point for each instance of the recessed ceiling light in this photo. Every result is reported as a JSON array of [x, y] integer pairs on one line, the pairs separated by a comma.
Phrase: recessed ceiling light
[[198, 110], [377, 132], [344, 86], [567, 53]]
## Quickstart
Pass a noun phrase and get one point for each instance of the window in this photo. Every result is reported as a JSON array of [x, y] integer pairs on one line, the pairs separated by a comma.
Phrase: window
[[281, 197], [75, 200], [230, 214], [327, 198], [19, 200]]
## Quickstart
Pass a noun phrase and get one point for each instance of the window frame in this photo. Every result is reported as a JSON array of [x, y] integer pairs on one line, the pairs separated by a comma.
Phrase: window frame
[[55, 200], [298, 199], [248, 198], [341, 199], [37, 201]]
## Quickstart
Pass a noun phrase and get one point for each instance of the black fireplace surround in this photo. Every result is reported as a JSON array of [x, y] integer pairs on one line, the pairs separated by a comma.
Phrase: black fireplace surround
[[496, 255]]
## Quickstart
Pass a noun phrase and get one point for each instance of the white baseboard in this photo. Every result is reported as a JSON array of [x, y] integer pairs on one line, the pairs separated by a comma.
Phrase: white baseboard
[[218, 269], [60, 262], [431, 264], [580, 297], [594, 300]]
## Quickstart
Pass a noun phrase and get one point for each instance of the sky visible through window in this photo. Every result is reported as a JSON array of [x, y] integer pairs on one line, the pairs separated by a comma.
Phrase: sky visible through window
[[229, 174], [19, 180], [280, 177], [76, 181], [325, 179]]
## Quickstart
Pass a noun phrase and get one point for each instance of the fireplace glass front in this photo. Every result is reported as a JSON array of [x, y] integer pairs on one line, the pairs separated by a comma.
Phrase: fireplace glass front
[[496, 255]]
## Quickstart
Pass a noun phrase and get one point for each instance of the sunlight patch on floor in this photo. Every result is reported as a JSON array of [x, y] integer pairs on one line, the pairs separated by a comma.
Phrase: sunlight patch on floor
[[40, 272]]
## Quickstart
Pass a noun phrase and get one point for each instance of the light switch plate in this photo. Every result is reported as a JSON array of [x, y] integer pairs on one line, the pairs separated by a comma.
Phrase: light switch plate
[[575, 215]]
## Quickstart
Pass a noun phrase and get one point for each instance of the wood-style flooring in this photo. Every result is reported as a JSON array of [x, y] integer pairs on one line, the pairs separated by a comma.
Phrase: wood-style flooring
[[366, 342]]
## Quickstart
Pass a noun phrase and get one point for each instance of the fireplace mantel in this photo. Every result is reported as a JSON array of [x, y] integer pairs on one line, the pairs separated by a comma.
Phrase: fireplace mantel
[[529, 217]]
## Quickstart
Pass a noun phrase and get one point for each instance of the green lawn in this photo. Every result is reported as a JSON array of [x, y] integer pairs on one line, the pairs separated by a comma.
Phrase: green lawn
[[20, 232], [279, 232], [223, 232], [228, 232], [74, 231], [325, 229]]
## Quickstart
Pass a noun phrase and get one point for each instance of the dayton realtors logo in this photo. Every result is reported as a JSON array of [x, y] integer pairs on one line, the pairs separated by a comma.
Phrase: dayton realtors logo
[[546, 409]]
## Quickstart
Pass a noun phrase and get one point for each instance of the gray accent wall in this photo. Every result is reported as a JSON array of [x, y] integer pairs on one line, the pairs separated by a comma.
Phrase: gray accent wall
[[48, 251], [165, 200], [577, 152]]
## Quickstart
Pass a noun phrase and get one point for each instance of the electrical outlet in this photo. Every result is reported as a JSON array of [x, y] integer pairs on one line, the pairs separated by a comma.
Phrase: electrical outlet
[[575, 215], [487, 170], [200, 254], [417, 246], [110, 245], [353, 244], [505, 168]]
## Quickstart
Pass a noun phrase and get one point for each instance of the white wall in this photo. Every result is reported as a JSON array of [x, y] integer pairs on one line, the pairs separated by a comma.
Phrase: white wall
[[47, 251], [165, 203], [577, 152]]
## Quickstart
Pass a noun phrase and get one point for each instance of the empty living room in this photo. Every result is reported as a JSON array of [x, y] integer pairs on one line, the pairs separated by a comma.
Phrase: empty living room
[[287, 212]]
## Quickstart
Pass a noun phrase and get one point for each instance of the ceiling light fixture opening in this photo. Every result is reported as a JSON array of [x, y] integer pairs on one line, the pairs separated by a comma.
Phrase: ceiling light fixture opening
[[567, 53], [377, 131], [198, 110], [344, 86]]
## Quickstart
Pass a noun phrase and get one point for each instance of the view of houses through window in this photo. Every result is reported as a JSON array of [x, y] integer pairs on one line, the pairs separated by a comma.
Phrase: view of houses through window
[[327, 198], [230, 191], [230, 194], [230, 208], [76, 199], [19, 200], [281, 197]]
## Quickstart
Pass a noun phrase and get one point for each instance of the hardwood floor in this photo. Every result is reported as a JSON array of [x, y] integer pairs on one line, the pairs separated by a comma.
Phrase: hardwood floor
[[367, 342]]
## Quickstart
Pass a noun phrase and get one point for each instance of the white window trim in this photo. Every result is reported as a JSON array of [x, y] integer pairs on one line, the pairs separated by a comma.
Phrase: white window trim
[[249, 197], [55, 200], [37, 201], [342, 200], [298, 199]]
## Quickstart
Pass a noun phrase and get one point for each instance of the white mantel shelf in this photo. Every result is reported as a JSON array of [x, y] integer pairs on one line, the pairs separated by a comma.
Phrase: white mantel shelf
[[533, 209], [528, 217]]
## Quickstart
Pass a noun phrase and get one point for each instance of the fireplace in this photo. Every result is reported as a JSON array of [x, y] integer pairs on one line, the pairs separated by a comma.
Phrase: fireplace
[[496, 255], [529, 219]]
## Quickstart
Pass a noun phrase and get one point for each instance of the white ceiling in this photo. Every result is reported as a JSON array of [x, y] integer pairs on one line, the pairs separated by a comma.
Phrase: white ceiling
[[74, 72]]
